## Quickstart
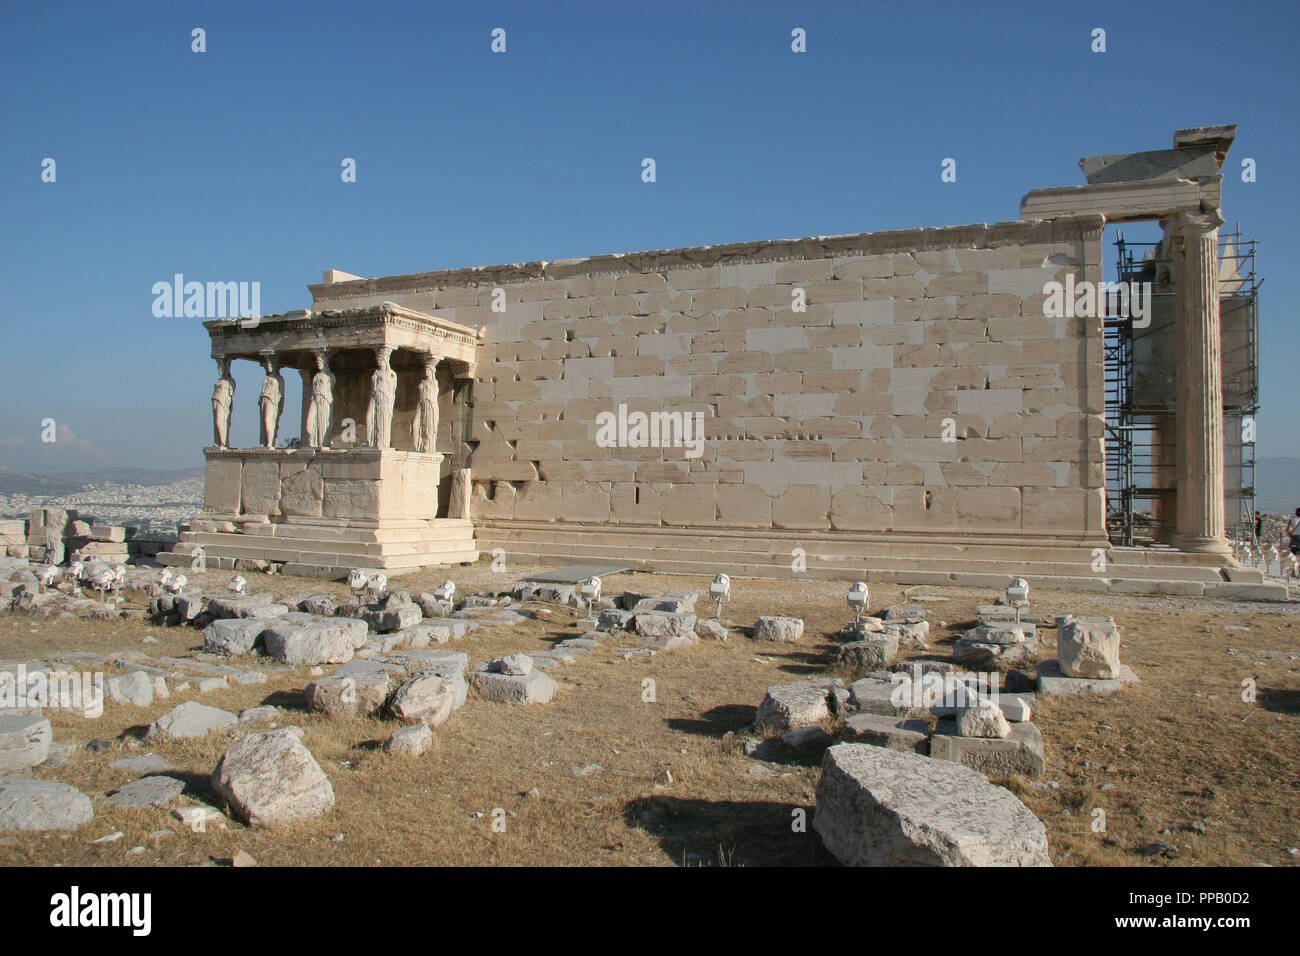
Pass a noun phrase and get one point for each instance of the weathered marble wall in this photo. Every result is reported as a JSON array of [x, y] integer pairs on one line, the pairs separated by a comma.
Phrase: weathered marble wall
[[828, 418]]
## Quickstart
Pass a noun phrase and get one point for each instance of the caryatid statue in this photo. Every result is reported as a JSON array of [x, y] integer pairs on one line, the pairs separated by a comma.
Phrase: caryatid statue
[[223, 399], [271, 402], [321, 404], [383, 393], [424, 429]]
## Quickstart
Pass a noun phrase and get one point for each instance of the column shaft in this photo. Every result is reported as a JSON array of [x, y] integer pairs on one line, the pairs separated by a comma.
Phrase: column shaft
[[1199, 383]]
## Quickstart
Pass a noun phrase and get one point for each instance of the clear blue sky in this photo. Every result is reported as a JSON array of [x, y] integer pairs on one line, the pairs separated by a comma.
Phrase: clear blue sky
[[225, 165]]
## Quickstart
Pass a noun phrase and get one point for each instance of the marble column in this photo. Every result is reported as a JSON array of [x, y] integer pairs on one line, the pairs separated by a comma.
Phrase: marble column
[[306, 374], [1199, 384]]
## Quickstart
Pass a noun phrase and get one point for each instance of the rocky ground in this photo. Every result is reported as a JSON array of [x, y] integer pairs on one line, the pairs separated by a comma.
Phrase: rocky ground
[[647, 754]]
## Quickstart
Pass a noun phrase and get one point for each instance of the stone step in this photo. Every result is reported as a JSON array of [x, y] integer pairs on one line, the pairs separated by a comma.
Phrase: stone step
[[851, 544], [311, 543], [873, 558], [321, 565], [449, 531], [559, 542]]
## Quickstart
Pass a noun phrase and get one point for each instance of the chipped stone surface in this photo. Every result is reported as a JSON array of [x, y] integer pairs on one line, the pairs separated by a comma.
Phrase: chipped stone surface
[[1088, 647], [515, 664], [776, 628], [892, 733], [259, 715], [252, 605], [873, 653], [879, 807], [349, 696], [982, 719], [787, 707], [24, 742], [711, 630], [614, 619], [872, 695], [135, 688], [1052, 681], [148, 792], [1020, 752], [394, 617], [145, 764], [42, 805], [233, 635], [191, 719], [306, 644], [662, 626], [272, 779], [533, 688], [427, 698], [410, 741]]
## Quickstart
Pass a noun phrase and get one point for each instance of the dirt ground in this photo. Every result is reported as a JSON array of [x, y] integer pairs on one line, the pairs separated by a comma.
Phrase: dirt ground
[[1186, 772]]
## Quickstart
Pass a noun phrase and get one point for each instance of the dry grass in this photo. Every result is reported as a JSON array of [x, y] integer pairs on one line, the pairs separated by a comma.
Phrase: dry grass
[[1172, 758]]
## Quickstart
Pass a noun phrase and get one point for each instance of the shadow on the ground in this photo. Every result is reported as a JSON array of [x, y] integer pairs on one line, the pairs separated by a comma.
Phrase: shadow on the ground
[[729, 832], [198, 786], [716, 721], [1279, 701], [811, 662], [286, 699]]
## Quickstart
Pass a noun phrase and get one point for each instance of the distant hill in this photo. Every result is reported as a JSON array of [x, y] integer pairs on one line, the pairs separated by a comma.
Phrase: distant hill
[[14, 482], [1277, 485], [135, 476]]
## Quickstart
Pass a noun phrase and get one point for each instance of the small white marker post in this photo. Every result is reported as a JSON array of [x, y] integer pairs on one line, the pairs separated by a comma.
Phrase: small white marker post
[[590, 592]]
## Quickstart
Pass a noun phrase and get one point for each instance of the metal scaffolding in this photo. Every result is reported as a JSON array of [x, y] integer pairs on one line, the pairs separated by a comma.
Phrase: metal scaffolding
[[1141, 480]]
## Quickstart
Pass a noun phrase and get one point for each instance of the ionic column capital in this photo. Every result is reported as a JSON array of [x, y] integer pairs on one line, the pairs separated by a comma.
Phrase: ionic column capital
[[1191, 223]]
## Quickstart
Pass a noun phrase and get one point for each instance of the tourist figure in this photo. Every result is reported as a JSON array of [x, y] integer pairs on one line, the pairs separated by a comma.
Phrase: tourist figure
[[424, 429], [321, 404], [1293, 533], [271, 403], [223, 399], [383, 392]]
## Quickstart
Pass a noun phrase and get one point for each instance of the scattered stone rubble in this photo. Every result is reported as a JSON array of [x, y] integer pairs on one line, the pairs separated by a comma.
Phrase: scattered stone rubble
[[891, 721], [388, 670]]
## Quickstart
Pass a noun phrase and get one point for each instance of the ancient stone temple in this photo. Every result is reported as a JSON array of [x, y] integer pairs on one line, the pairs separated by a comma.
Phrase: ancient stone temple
[[384, 388], [910, 405]]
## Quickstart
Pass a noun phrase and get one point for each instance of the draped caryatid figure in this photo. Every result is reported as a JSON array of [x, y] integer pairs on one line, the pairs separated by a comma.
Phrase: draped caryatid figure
[[271, 402], [223, 398], [424, 428], [321, 405], [383, 393]]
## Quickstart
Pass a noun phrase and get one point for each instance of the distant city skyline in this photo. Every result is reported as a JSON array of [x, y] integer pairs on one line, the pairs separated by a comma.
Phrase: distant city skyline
[[231, 165]]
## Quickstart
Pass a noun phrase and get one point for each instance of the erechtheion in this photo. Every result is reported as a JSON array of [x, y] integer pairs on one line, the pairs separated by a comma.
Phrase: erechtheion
[[914, 404]]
